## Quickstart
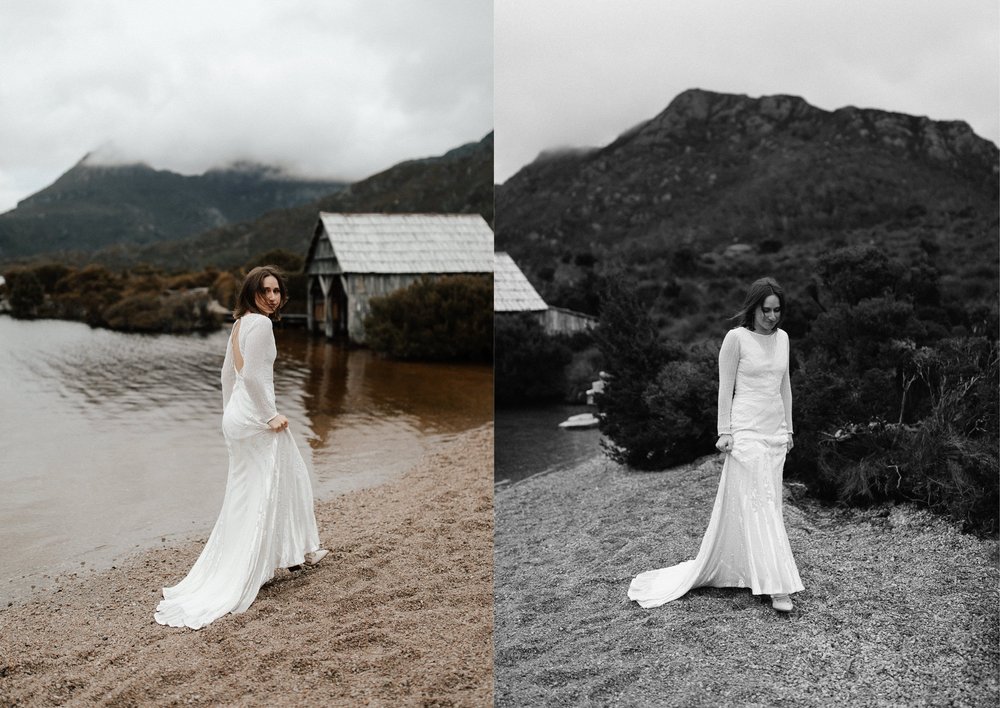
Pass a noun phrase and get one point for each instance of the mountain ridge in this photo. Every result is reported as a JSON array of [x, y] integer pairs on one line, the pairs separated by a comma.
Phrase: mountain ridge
[[93, 205], [458, 181], [778, 176]]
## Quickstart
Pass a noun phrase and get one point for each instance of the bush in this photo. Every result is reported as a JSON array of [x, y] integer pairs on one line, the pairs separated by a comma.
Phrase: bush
[[683, 400], [450, 318], [633, 356], [148, 312], [26, 293], [888, 408], [888, 405], [529, 365], [947, 461]]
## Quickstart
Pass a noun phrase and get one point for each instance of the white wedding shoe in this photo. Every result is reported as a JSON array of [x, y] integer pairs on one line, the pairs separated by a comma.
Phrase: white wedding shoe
[[316, 556], [782, 603], [311, 559]]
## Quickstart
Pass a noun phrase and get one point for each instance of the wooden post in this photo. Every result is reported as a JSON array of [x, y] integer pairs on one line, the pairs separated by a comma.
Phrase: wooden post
[[310, 305], [325, 284]]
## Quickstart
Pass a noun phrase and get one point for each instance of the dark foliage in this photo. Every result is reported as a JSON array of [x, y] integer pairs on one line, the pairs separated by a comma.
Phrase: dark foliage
[[449, 318], [634, 356], [140, 300], [25, 292], [529, 365], [93, 206], [682, 400], [888, 404]]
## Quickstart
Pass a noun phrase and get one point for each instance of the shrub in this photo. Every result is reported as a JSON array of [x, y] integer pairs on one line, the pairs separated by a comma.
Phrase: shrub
[[148, 312], [224, 289], [683, 401], [947, 461], [633, 356], [854, 273], [26, 293], [529, 365], [449, 318]]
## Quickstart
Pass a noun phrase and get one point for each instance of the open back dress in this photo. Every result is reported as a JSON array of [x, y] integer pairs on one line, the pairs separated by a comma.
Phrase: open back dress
[[267, 520]]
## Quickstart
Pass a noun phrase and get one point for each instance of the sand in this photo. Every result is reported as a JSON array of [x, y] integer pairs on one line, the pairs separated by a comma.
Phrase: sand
[[899, 607], [399, 613]]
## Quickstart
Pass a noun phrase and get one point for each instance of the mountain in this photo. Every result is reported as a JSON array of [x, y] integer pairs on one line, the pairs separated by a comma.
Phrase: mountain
[[733, 187], [93, 206], [459, 181]]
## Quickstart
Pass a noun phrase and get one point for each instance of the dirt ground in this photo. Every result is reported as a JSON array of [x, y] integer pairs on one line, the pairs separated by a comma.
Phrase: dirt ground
[[899, 607], [399, 613]]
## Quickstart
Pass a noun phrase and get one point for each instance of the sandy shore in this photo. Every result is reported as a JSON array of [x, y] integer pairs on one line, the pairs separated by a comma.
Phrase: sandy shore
[[399, 613], [899, 608]]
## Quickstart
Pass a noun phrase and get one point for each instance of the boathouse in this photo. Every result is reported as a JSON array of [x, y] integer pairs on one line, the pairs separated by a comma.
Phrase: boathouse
[[513, 294], [355, 257]]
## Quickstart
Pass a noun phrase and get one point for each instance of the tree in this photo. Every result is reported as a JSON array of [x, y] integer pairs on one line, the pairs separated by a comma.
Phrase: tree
[[633, 356]]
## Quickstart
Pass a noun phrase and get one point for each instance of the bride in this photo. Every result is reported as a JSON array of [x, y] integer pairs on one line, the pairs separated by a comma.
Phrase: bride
[[745, 544], [267, 520]]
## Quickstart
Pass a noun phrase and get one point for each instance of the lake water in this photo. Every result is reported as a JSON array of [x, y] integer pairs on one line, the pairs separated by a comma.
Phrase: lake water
[[111, 442], [529, 441]]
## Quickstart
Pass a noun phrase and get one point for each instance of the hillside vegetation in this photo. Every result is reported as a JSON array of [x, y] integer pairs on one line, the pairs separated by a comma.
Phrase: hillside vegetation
[[882, 228], [94, 206], [720, 189], [458, 182]]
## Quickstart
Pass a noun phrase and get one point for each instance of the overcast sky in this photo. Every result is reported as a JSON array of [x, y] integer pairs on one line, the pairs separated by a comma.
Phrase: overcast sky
[[335, 88], [572, 73]]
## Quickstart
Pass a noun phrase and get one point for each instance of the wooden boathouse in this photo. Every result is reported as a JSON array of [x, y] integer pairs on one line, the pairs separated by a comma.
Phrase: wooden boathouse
[[513, 294], [354, 257]]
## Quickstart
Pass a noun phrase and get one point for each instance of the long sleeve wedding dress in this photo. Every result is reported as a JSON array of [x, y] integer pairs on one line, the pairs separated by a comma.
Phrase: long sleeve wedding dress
[[267, 519], [745, 544]]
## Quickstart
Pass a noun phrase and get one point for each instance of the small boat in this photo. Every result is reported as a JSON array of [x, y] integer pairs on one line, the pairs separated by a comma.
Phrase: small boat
[[582, 420]]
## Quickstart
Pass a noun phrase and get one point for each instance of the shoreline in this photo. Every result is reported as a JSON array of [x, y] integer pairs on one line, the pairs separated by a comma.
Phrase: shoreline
[[899, 606], [399, 611], [18, 590]]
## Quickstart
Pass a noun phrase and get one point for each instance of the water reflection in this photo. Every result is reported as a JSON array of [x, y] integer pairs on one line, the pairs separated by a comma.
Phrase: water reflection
[[113, 441]]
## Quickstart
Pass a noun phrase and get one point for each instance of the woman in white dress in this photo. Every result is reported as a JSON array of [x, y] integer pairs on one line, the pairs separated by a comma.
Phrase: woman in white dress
[[267, 519], [745, 544]]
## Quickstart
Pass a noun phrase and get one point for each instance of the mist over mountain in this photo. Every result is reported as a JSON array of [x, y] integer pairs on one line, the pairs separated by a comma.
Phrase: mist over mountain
[[97, 204], [459, 181], [725, 187]]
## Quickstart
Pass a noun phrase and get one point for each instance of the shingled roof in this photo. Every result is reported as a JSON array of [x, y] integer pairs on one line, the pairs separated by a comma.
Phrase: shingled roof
[[410, 243], [511, 290]]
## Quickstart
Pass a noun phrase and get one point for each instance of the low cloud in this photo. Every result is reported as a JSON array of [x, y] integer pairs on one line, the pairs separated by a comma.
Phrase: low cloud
[[340, 89]]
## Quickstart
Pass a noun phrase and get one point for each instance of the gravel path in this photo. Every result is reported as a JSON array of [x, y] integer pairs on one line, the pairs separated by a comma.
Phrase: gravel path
[[899, 607], [399, 613]]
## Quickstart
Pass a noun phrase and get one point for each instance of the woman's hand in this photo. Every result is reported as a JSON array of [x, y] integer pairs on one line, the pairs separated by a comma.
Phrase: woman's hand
[[724, 443], [791, 443], [278, 423]]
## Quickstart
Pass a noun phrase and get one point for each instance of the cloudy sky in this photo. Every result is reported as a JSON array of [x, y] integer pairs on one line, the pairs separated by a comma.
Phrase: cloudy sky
[[572, 73], [335, 88]]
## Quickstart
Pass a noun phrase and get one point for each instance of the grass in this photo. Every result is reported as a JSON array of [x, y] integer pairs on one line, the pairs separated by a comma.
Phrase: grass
[[899, 607]]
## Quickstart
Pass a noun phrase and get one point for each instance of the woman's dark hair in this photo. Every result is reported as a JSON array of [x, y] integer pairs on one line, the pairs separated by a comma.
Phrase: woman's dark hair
[[253, 284], [758, 292]]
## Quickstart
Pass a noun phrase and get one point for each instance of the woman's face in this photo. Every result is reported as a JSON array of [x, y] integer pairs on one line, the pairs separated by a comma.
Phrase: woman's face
[[269, 296], [766, 317]]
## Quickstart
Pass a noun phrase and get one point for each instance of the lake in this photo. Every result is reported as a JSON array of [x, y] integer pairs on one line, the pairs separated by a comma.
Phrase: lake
[[529, 441], [111, 442]]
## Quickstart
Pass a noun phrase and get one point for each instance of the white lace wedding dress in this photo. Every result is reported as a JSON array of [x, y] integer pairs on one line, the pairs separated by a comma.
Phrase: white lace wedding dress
[[267, 519], [745, 544]]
